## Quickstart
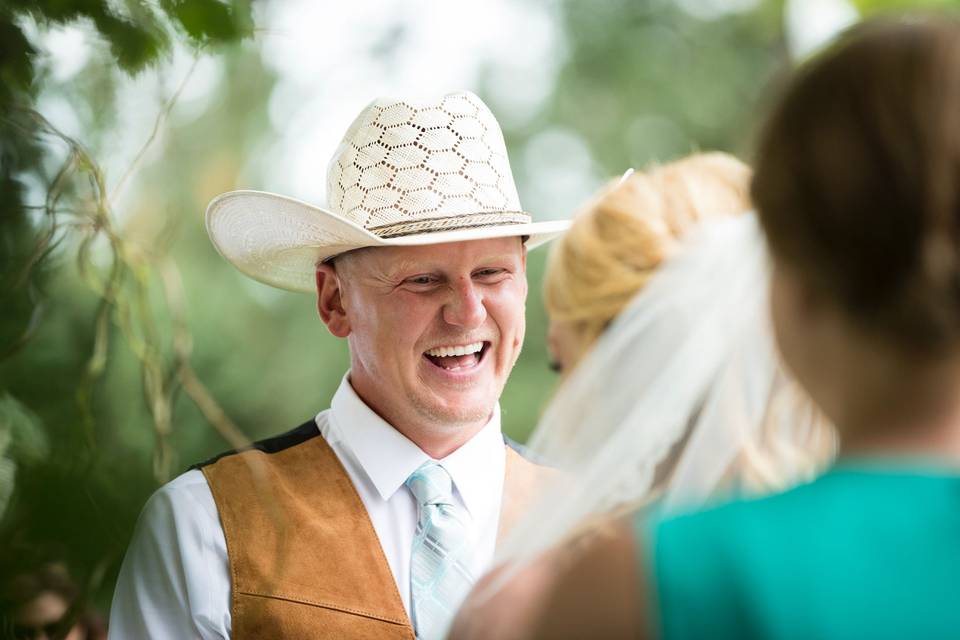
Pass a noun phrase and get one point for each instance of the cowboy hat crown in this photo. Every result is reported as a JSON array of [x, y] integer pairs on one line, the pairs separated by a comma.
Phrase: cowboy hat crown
[[405, 173]]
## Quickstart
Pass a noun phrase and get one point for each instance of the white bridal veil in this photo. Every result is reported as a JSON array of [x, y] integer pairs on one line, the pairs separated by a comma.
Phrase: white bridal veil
[[682, 397]]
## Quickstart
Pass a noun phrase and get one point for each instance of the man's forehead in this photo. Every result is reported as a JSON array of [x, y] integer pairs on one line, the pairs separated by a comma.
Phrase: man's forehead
[[390, 259]]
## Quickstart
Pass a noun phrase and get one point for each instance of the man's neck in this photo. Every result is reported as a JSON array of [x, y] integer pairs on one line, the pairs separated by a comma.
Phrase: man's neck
[[437, 440], [440, 448]]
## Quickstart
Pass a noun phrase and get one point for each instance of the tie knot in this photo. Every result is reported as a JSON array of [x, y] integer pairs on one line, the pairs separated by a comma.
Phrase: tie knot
[[431, 484]]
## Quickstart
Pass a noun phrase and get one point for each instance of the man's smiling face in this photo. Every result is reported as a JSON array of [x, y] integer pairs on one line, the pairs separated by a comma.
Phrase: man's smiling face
[[434, 330]]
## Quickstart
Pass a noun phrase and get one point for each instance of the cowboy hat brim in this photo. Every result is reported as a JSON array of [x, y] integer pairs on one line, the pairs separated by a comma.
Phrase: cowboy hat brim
[[279, 240]]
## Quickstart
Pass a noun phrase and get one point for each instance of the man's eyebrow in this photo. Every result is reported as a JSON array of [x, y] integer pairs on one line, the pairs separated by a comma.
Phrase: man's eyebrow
[[401, 268], [498, 257]]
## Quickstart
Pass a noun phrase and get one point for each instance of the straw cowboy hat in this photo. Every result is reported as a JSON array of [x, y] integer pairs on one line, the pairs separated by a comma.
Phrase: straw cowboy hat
[[406, 173]]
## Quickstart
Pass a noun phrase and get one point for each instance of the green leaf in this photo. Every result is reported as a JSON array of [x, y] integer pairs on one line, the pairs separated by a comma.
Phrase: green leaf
[[210, 20], [8, 476], [135, 46], [21, 432], [16, 60], [22, 439]]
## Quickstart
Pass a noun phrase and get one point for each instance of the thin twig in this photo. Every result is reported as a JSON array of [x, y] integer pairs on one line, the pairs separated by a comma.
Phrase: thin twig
[[124, 299], [160, 119]]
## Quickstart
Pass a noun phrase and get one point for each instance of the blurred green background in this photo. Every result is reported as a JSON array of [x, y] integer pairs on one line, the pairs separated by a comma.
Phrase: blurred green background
[[130, 350]]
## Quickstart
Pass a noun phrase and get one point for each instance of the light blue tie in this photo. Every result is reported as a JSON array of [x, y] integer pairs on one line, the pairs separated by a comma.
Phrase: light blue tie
[[439, 569]]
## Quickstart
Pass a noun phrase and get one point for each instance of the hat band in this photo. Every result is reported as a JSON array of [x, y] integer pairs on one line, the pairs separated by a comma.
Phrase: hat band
[[451, 223]]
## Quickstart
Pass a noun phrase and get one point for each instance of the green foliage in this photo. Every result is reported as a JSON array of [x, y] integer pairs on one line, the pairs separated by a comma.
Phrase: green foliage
[[646, 82], [209, 20], [22, 440], [870, 7], [16, 64], [73, 289], [136, 40], [139, 37]]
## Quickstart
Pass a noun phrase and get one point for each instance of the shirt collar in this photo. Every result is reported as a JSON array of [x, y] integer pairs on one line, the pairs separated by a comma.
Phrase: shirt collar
[[388, 457], [477, 468]]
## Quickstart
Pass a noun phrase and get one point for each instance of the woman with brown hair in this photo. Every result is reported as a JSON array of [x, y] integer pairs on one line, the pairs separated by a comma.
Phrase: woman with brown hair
[[858, 193]]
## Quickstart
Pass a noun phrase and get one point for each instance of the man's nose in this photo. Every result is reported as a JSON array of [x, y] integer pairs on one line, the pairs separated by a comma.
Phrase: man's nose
[[465, 306]]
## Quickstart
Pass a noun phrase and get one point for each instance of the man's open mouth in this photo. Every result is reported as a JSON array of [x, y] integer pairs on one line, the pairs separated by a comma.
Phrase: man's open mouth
[[457, 357]]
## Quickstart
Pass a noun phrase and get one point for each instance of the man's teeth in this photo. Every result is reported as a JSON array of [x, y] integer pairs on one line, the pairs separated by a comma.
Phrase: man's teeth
[[443, 352]]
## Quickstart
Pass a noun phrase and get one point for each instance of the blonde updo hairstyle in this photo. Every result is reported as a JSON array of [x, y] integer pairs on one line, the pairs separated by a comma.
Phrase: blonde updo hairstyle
[[617, 241], [616, 244]]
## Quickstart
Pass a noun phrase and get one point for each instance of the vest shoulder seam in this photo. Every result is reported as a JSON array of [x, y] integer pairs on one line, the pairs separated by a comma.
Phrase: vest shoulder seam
[[524, 452], [325, 605], [275, 444]]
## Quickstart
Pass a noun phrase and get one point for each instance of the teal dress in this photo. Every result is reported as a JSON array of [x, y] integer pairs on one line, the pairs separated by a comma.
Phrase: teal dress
[[865, 551]]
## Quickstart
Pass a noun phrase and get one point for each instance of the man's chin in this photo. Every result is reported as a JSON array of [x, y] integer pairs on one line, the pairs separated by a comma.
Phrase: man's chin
[[458, 415], [468, 418]]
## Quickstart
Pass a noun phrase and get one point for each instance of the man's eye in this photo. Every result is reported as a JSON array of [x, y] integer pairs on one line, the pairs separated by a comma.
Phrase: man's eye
[[421, 280], [488, 273]]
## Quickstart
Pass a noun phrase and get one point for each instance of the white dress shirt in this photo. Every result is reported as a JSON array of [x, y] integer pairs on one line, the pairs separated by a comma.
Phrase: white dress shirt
[[174, 582]]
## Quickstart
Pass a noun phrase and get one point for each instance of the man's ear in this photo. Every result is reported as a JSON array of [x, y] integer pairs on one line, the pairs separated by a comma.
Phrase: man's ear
[[329, 301]]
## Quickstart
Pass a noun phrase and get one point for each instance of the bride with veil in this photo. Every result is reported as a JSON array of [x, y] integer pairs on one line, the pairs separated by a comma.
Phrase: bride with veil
[[672, 393]]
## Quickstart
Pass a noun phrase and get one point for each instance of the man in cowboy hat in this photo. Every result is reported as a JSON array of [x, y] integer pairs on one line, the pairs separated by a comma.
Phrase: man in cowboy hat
[[371, 520]]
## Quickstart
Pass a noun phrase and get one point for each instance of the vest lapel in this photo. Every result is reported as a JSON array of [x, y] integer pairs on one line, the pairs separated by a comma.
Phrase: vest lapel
[[522, 483]]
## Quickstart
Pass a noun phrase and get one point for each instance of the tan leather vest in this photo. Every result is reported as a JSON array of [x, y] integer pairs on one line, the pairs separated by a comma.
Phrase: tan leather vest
[[304, 558]]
